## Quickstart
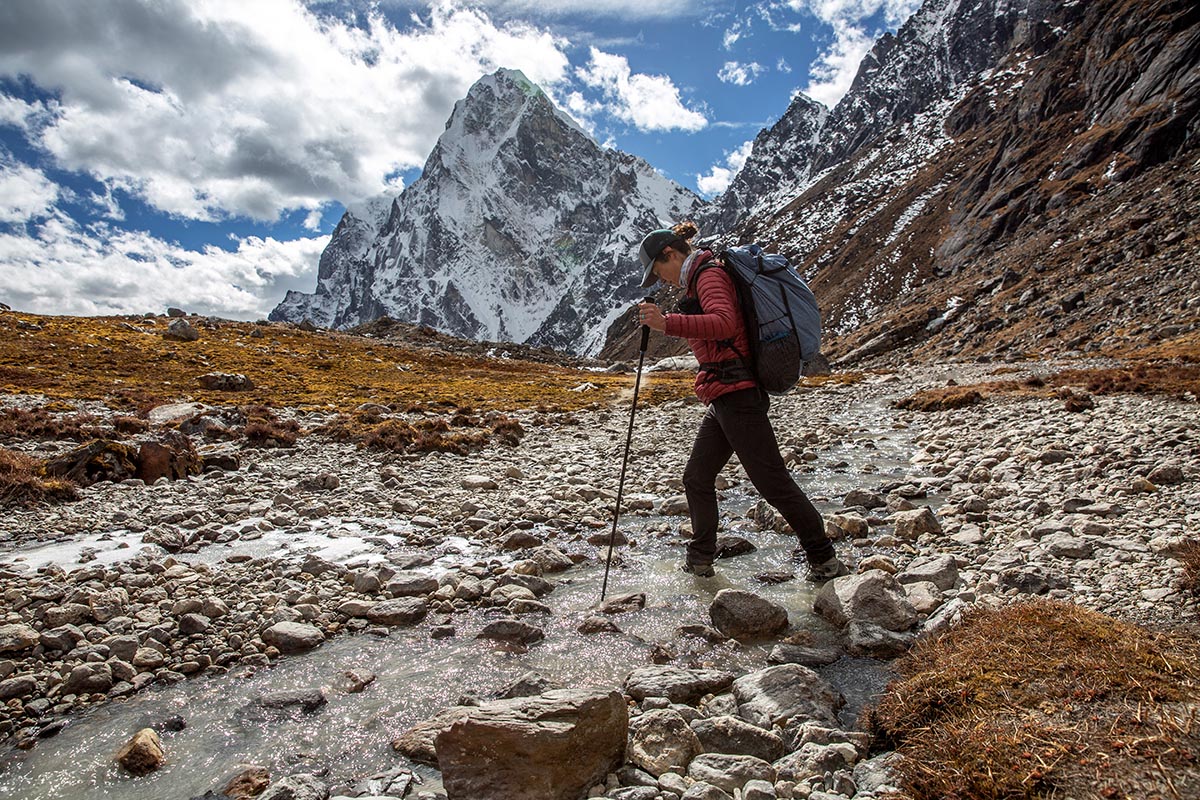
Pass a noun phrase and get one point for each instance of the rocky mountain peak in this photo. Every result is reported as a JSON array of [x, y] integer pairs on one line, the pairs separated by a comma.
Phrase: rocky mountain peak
[[521, 228]]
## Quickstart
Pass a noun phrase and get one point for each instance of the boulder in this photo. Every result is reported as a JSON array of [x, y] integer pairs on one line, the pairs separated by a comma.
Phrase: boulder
[[173, 456], [730, 773], [296, 787], [89, 678], [873, 596], [292, 637], [734, 736], [776, 695], [846, 526], [142, 754], [417, 742], [744, 615], [226, 382], [554, 746], [814, 759], [940, 570], [399, 611], [251, 781], [661, 741], [98, 460], [676, 684], [181, 331], [511, 630], [911, 524], [17, 638]]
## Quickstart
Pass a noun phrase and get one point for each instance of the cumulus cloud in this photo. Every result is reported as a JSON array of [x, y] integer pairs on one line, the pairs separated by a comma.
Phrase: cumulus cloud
[[62, 268], [740, 74], [622, 9], [833, 71], [25, 193], [649, 102], [719, 178], [214, 108]]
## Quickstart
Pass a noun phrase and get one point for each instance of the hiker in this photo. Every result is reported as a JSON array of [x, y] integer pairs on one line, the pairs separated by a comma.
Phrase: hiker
[[710, 318]]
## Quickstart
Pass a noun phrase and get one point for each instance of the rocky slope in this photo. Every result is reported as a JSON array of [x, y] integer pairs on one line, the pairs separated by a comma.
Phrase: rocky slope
[[521, 228], [1004, 178]]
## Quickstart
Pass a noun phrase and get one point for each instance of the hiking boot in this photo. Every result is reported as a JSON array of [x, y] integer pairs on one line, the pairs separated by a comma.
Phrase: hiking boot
[[699, 570], [827, 570]]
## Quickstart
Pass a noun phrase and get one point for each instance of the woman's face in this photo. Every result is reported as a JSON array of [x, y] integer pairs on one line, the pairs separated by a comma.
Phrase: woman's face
[[668, 265]]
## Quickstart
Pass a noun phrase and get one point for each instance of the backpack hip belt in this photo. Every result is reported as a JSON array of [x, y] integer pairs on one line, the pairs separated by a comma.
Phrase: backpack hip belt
[[732, 370]]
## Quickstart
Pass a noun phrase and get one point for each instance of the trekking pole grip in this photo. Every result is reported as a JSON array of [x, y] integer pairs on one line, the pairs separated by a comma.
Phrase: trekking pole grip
[[646, 328]]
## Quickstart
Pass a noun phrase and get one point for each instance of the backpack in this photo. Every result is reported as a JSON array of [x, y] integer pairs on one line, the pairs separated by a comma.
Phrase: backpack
[[783, 322]]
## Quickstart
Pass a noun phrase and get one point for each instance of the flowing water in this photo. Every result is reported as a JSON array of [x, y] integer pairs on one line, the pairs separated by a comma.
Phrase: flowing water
[[418, 676]]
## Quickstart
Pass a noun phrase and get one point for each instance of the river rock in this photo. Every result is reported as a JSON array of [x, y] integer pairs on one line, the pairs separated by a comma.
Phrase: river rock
[[307, 700], [418, 741], [734, 736], [677, 684], [911, 524], [623, 604], [511, 630], [89, 678], [776, 695], [941, 570], [813, 759], [729, 773], [296, 787], [398, 611], [19, 686], [142, 754], [744, 615], [17, 638], [846, 526], [109, 604], [251, 781], [873, 596], [551, 747], [661, 741], [292, 637]]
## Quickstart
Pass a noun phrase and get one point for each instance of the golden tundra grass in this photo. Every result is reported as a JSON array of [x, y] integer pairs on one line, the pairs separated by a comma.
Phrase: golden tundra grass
[[1045, 699]]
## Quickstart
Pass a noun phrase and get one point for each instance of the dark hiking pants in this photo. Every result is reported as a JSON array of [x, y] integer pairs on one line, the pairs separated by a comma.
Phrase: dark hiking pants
[[737, 423]]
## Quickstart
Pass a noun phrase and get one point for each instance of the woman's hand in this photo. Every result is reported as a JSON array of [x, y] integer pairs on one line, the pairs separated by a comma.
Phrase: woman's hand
[[649, 314]]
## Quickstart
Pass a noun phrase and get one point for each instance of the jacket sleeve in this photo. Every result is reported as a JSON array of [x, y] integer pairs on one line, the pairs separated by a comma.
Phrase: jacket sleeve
[[721, 319]]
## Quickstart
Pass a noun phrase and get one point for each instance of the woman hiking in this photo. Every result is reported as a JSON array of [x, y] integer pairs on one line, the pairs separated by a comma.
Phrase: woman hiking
[[710, 318]]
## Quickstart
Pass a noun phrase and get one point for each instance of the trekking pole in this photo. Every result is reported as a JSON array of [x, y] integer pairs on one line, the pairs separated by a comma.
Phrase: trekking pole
[[637, 382]]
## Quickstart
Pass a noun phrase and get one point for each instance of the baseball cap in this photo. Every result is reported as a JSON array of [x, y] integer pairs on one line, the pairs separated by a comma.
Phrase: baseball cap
[[651, 247]]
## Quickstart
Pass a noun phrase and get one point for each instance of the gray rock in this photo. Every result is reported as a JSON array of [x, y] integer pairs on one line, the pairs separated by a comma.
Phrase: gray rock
[[181, 331], [705, 791], [939, 569], [226, 382], [511, 630], [911, 524], [734, 736], [776, 695], [296, 787], [675, 683], [730, 773], [293, 637], [555, 745], [1065, 545], [398, 611], [814, 759], [89, 678], [20, 686], [307, 700], [869, 640], [744, 615], [873, 596], [660, 741], [758, 790]]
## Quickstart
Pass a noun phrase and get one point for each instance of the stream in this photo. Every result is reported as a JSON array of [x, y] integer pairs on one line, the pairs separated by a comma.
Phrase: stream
[[416, 676]]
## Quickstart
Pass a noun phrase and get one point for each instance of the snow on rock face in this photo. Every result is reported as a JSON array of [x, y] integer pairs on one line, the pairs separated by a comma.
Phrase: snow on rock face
[[521, 228]]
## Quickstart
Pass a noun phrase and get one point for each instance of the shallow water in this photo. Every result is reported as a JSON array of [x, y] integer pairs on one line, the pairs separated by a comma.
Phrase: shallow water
[[418, 676]]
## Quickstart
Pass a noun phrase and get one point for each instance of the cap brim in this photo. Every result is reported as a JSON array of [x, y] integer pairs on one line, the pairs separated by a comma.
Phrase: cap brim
[[649, 278]]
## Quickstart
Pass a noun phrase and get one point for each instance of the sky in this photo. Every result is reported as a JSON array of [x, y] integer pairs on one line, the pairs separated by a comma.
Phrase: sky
[[199, 153]]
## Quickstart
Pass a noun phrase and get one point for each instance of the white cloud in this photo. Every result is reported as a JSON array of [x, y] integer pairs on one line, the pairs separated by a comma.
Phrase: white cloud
[[831, 75], [65, 269], [212, 108], [25, 193], [833, 71], [731, 36], [649, 102], [622, 9], [783, 66], [740, 74], [719, 178]]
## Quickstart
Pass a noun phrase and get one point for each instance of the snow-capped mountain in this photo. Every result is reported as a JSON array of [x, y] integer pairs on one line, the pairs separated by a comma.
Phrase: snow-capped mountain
[[521, 228]]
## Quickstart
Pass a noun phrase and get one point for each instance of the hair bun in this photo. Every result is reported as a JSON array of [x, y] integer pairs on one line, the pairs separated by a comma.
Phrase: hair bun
[[686, 230]]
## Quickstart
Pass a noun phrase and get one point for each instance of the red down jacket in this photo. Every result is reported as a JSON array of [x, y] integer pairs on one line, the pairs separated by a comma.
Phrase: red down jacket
[[721, 320]]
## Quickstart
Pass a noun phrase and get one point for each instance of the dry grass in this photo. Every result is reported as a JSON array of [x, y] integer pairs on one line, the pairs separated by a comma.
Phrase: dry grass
[[1189, 555], [127, 363], [40, 423], [265, 429], [1045, 699], [23, 481], [940, 399], [460, 434]]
